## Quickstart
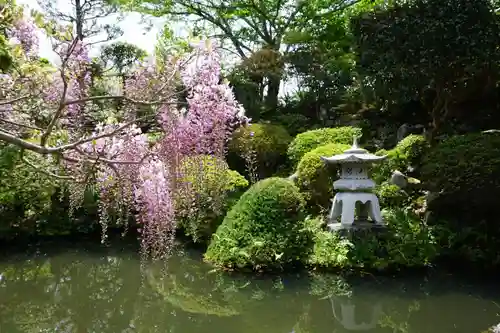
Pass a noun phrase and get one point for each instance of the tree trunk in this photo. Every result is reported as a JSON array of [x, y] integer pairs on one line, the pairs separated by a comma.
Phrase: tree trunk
[[79, 20]]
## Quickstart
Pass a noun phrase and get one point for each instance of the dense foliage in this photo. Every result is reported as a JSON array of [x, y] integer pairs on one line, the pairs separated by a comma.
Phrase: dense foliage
[[264, 230], [464, 173], [406, 242], [24, 195], [454, 57]]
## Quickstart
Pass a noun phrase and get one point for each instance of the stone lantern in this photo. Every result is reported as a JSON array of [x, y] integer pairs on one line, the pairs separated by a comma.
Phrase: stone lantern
[[355, 202]]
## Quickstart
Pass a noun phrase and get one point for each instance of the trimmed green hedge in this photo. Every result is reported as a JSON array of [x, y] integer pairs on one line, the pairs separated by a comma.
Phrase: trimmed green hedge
[[307, 141], [264, 230], [315, 179]]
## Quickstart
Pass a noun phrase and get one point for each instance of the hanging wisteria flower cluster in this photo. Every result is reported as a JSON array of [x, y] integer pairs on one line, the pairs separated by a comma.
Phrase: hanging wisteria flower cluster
[[131, 174]]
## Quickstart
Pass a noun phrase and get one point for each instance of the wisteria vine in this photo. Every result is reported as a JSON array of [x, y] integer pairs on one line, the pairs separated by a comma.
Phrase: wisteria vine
[[116, 157]]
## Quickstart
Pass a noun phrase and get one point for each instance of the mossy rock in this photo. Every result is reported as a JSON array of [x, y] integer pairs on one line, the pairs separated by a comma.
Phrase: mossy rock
[[406, 242], [259, 149], [315, 178], [210, 188], [264, 230], [307, 141]]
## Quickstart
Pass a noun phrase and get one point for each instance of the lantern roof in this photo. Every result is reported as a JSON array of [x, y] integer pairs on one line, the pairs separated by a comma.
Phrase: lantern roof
[[355, 154]]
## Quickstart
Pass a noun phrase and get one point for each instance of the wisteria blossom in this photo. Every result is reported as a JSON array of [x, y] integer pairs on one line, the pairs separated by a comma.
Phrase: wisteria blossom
[[131, 174]]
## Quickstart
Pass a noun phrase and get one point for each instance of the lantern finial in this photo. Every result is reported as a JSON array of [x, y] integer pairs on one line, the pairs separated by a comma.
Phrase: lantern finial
[[355, 141]]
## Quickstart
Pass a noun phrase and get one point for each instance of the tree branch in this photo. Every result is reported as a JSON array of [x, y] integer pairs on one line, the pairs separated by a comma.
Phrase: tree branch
[[10, 138], [89, 157], [44, 171], [20, 125], [12, 101], [60, 109], [118, 97]]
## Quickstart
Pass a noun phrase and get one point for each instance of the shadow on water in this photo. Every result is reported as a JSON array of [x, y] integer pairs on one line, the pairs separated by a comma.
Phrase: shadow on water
[[81, 289]]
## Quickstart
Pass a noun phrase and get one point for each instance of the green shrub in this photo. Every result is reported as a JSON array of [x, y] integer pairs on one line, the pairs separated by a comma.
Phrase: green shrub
[[315, 179], [26, 195], [408, 152], [391, 196], [259, 147], [210, 190], [307, 141], [406, 242], [465, 172], [264, 230]]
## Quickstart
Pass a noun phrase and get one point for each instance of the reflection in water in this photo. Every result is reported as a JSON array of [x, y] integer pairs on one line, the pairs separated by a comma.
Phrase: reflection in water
[[347, 315], [111, 292]]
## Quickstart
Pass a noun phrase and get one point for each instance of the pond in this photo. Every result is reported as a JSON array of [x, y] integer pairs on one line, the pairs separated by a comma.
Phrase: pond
[[84, 289]]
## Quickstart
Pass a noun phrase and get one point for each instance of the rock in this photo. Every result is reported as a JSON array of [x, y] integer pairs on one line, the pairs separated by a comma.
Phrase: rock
[[402, 132], [293, 177], [405, 130], [399, 179]]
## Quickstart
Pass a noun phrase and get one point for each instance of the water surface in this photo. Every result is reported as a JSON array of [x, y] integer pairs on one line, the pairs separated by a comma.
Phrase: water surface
[[109, 291]]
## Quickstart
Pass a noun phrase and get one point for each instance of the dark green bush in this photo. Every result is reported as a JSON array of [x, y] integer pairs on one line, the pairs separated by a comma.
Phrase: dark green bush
[[315, 179], [406, 242], [467, 166], [264, 230], [259, 149], [464, 172], [307, 141], [294, 123], [210, 190]]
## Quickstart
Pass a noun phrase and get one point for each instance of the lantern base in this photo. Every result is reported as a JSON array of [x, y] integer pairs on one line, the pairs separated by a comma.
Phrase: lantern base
[[357, 225], [351, 205]]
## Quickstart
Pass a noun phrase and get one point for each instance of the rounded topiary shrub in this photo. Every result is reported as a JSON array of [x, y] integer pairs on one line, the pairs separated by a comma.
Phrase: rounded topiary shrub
[[264, 230], [315, 179], [465, 172], [307, 141], [259, 149], [209, 189], [407, 153]]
